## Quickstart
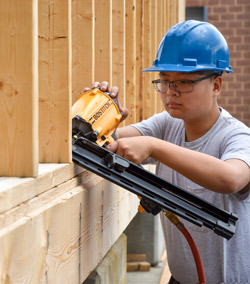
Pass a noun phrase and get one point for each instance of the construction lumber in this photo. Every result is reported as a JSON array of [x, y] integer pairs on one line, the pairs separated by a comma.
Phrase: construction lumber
[[147, 59], [139, 55], [136, 257], [119, 62], [55, 70], [82, 46], [103, 42], [18, 88], [137, 262], [138, 266], [62, 234], [15, 190], [130, 67], [112, 268]]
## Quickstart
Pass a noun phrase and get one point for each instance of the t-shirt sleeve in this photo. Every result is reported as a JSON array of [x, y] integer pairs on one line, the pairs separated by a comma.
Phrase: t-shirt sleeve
[[154, 126], [236, 145]]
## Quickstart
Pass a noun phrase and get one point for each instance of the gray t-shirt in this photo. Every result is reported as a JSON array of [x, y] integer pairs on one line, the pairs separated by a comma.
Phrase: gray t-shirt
[[224, 261]]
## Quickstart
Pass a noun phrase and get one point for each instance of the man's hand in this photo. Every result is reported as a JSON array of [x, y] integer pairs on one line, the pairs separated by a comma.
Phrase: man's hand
[[135, 149], [114, 93]]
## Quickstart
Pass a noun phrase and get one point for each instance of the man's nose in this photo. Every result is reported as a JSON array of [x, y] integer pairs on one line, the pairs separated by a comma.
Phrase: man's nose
[[171, 89]]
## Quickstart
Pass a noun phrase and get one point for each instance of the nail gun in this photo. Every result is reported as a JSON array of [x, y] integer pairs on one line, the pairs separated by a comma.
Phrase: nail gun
[[96, 116]]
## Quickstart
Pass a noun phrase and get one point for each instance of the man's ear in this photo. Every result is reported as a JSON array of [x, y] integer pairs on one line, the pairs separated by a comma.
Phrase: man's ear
[[217, 85]]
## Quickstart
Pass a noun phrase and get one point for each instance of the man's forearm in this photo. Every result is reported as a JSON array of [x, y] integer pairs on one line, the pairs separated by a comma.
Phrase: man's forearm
[[127, 131], [212, 173]]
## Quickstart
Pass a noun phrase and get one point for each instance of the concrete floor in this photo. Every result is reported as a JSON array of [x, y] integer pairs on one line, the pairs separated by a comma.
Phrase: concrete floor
[[157, 275]]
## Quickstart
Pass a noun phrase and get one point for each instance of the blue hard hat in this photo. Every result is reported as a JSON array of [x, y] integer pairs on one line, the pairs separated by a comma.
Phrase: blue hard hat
[[192, 46]]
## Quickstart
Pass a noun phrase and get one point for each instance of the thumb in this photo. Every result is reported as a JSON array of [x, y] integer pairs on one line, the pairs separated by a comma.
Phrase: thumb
[[112, 146]]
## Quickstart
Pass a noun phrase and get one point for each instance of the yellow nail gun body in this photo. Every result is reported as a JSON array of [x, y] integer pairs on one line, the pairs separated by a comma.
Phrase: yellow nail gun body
[[96, 116]]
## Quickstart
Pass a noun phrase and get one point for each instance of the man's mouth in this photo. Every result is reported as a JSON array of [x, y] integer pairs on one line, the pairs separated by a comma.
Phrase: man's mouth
[[173, 104]]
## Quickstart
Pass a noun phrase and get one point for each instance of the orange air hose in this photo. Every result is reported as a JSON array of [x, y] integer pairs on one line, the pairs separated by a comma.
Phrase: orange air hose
[[175, 220]]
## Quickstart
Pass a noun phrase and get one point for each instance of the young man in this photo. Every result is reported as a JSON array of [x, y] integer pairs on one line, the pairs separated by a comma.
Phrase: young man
[[198, 146]]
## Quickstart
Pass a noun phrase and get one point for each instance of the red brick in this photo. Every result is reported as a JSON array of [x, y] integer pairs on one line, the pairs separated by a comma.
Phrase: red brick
[[220, 9], [242, 2], [212, 18], [243, 31], [246, 54], [233, 101], [227, 17], [242, 17], [222, 25], [242, 62], [242, 47], [212, 2], [236, 9], [226, 93], [231, 46], [235, 24], [235, 85], [247, 39], [230, 109], [228, 2], [247, 99], [247, 24], [194, 3], [245, 94], [242, 78], [242, 108], [247, 116], [235, 54], [235, 39], [227, 32], [237, 70], [246, 69], [246, 121]]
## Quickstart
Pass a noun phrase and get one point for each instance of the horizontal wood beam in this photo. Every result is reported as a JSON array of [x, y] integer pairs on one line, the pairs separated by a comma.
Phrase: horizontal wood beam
[[61, 235], [15, 190]]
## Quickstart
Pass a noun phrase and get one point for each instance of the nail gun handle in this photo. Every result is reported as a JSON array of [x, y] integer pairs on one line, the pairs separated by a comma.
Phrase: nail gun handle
[[114, 100]]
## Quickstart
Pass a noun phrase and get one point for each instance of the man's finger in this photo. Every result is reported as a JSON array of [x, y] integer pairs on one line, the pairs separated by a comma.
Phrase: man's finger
[[112, 146]]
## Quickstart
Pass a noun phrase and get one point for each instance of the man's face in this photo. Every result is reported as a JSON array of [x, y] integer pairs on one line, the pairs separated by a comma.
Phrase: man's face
[[191, 105]]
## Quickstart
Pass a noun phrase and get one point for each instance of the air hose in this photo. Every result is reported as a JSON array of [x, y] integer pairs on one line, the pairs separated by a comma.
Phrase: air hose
[[175, 220]]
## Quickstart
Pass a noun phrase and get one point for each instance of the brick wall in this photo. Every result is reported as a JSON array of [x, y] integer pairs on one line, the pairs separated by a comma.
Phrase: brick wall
[[232, 18]]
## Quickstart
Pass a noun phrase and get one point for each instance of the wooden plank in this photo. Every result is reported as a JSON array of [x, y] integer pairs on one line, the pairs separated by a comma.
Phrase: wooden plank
[[181, 5], [139, 57], [112, 269], [131, 88], [154, 75], [18, 88], [160, 33], [14, 190], [55, 81], [118, 48], [82, 46], [136, 257], [103, 42], [147, 58], [138, 266], [61, 235], [110, 222]]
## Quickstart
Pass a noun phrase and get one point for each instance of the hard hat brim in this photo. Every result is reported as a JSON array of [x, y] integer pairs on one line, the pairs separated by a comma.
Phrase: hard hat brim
[[181, 68]]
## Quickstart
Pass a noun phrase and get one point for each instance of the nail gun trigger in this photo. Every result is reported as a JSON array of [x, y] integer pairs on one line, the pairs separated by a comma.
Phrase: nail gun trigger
[[116, 162]]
